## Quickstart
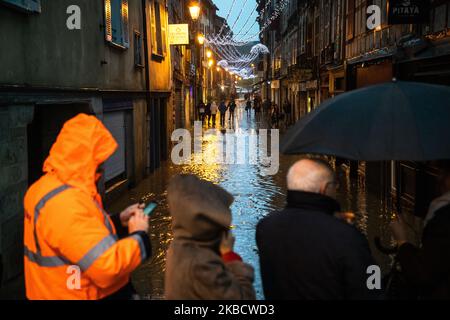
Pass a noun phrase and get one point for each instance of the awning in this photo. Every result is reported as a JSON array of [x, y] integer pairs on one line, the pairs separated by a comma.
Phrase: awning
[[374, 55], [436, 49]]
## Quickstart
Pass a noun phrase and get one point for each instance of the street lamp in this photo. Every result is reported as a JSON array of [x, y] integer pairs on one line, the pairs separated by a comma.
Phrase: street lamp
[[194, 10], [210, 62], [208, 54], [200, 39]]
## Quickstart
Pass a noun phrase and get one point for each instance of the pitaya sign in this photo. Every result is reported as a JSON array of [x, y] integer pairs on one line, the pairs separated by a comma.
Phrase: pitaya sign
[[408, 11]]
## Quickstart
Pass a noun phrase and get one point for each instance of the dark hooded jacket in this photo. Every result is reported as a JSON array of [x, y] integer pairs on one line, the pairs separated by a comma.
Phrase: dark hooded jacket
[[195, 269], [308, 254], [427, 268]]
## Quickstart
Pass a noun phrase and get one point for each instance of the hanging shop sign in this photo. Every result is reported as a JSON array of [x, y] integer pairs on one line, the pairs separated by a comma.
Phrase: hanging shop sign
[[178, 34], [275, 84], [408, 11], [311, 85]]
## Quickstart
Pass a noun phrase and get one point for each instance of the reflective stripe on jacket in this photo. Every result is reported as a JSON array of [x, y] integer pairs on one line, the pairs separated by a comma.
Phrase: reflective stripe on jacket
[[66, 229]]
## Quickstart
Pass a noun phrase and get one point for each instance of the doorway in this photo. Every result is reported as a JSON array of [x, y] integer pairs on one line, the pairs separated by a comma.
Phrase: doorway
[[43, 130]]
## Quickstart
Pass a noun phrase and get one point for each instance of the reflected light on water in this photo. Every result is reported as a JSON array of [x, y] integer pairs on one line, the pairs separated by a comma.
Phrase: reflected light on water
[[255, 196]]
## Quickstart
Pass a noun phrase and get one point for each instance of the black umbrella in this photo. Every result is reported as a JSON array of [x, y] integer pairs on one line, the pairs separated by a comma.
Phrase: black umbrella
[[391, 121]]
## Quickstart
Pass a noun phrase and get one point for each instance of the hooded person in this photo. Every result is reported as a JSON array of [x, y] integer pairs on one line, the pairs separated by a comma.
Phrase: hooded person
[[426, 267], [200, 262], [71, 245]]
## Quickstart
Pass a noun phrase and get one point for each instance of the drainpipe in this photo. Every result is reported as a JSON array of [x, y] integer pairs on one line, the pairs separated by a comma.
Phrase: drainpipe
[[147, 70]]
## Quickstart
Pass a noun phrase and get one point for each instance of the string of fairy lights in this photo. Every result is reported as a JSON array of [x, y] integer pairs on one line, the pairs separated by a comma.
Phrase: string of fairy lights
[[229, 46]]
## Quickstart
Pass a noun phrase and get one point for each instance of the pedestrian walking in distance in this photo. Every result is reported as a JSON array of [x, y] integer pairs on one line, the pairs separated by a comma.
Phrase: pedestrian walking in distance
[[266, 107], [274, 116], [248, 107], [208, 113], [288, 110], [306, 251], [65, 224], [223, 110], [232, 107], [201, 263], [257, 106], [214, 110], [201, 111]]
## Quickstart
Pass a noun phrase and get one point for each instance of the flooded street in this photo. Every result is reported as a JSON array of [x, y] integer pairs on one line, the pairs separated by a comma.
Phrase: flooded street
[[255, 196]]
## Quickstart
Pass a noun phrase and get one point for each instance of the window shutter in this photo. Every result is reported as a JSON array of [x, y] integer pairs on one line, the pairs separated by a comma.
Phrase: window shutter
[[125, 24], [163, 11], [108, 21], [350, 19], [153, 28], [25, 5], [34, 5]]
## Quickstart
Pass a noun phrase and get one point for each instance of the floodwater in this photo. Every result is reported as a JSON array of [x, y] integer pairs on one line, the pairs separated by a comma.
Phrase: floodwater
[[256, 194]]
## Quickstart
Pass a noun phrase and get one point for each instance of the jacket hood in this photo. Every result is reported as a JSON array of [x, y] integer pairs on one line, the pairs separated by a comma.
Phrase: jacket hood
[[82, 145], [435, 205], [200, 209]]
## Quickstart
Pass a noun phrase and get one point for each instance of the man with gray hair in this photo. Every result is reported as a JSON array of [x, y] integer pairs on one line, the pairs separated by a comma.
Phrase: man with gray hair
[[306, 252]]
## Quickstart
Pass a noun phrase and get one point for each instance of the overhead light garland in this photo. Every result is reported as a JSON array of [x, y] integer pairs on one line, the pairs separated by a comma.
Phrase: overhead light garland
[[224, 44], [241, 42]]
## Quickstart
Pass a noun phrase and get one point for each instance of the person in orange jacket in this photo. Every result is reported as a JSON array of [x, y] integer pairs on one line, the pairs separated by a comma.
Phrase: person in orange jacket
[[71, 246]]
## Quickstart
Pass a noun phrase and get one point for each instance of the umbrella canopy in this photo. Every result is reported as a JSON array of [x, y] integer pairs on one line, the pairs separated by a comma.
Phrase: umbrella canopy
[[391, 121]]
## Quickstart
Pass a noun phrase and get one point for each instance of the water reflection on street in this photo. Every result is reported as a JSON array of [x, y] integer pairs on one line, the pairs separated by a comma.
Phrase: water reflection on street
[[255, 196]]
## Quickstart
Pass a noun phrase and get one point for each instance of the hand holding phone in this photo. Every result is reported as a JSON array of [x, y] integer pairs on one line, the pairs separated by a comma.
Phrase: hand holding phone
[[150, 208], [138, 222]]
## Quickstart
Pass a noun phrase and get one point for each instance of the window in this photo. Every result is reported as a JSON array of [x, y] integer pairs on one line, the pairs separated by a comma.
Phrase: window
[[440, 18], [116, 21], [302, 34], [25, 5], [159, 29], [350, 19], [138, 61]]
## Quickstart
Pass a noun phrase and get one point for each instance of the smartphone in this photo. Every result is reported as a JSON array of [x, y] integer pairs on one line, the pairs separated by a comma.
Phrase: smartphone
[[150, 208]]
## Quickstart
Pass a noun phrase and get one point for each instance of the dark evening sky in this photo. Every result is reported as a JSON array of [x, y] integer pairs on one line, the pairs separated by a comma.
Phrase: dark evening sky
[[248, 14]]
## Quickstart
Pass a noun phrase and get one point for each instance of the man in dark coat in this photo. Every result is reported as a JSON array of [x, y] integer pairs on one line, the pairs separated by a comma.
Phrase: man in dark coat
[[223, 110], [288, 110], [306, 252], [201, 111], [426, 269], [232, 107], [208, 113]]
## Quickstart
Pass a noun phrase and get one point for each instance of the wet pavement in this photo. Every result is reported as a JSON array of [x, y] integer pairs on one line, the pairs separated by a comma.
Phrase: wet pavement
[[255, 196]]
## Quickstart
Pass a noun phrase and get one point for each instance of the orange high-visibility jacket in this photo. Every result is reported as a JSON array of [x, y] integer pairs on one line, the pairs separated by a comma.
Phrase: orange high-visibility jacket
[[65, 227]]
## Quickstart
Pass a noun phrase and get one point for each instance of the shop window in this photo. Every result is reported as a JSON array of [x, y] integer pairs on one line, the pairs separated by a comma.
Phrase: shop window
[[339, 85], [440, 18], [24, 5], [117, 21], [448, 17]]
